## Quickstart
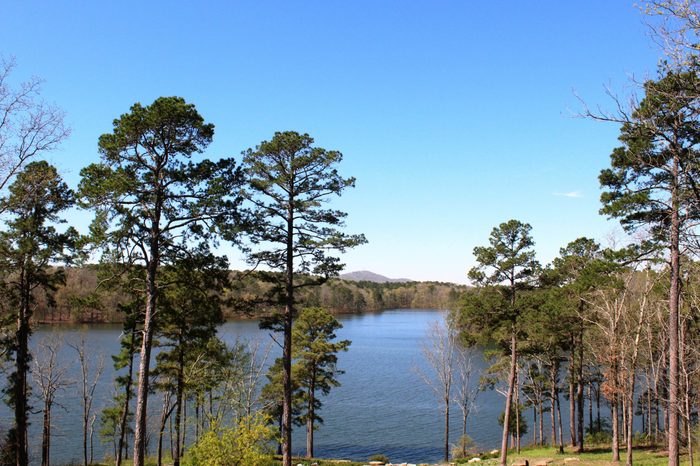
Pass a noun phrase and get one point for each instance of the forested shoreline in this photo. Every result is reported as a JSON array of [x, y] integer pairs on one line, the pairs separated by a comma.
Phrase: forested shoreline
[[87, 298], [612, 323]]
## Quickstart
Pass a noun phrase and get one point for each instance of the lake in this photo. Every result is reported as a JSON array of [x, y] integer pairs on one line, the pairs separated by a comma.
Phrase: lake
[[383, 405]]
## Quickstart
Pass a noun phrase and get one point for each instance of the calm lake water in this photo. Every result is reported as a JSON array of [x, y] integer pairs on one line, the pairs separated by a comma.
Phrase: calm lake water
[[382, 406]]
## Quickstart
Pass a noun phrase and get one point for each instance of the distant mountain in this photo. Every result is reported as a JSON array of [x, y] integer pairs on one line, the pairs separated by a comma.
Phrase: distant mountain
[[366, 275]]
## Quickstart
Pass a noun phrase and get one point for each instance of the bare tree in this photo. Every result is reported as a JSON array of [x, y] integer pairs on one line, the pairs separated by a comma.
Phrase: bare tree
[[242, 382], [90, 372], [466, 390], [678, 30], [50, 376], [439, 352], [250, 382], [28, 126], [621, 312]]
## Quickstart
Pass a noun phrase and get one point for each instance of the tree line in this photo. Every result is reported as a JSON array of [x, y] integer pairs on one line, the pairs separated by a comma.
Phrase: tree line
[[618, 320], [79, 299]]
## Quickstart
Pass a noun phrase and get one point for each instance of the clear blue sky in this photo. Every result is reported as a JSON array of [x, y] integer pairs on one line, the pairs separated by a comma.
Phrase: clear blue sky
[[453, 116]]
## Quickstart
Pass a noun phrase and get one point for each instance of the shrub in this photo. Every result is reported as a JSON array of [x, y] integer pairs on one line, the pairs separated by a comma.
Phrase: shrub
[[598, 438], [248, 444], [382, 458], [464, 448]]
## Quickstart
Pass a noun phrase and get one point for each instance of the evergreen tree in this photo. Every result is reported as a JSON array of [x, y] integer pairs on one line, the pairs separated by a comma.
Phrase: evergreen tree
[[508, 264], [290, 180], [579, 269], [191, 313], [151, 198], [316, 357], [652, 184], [29, 247]]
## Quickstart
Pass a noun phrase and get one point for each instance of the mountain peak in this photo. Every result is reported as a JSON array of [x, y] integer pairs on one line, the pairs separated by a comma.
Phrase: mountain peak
[[366, 275]]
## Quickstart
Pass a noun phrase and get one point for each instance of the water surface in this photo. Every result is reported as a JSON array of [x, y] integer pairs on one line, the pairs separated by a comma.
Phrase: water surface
[[383, 405]]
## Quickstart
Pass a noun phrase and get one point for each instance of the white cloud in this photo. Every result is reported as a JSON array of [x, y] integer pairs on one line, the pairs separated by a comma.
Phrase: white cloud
[[575, 194]]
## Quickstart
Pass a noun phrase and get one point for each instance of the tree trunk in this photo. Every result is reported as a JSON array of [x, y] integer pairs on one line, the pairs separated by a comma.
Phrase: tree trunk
[[196, 418], [630, 421], [590, 407], [447, 428], [85, 423], [178, 404], [20, 385], [184, 422], [674, 292], [541, 412], [509, 396], [561, 429], [310, 417], [516, 395], [649, 421], [572, 397], [615, 428], [690, 428], [46, 435], [579, 394], [163, 419], [464, 433], [624, 420], [552, 400], [127, 399], [287, 346], [140, 431]]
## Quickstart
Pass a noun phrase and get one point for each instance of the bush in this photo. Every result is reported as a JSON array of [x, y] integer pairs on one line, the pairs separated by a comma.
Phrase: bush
[[464, 448], [248, 444], [598, 438], [382, 458]]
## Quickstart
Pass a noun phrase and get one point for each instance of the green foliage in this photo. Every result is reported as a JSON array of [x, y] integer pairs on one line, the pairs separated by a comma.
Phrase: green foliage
[[248, 444], [272, 392], [147, 178], [29, 247], [379, 457], [513, 423], [314, 366], [510, 258], [315, 353], [31, 242], [504, 269], [290, 180], [191, 311], [662, 131], [110, 420]]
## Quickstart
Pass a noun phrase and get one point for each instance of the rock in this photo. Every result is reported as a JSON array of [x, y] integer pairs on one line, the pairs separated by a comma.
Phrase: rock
[[546, 462], [495, 452], [521, 463], [571, 460], [476, 459]]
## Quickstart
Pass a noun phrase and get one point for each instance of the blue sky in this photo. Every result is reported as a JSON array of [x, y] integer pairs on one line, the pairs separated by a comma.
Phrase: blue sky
[[453, 116]]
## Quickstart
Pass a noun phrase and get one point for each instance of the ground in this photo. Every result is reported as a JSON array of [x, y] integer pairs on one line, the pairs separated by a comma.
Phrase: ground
[[596, 456], [593, 457]]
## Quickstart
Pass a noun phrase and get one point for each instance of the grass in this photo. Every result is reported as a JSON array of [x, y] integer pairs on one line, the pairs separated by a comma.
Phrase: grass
[[596, 456], [273, 462]]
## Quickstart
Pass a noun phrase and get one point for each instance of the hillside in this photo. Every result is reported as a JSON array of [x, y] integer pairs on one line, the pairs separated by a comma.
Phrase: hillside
[[251, 295], [367, 276]]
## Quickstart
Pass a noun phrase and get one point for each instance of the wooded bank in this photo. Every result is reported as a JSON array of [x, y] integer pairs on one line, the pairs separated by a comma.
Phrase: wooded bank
[[86, 298]]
